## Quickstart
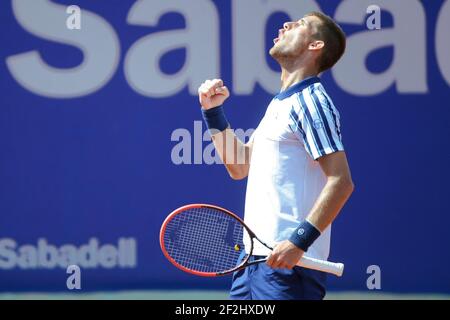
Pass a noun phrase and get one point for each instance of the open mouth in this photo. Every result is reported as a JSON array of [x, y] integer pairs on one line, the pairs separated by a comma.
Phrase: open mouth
[[280, 34]]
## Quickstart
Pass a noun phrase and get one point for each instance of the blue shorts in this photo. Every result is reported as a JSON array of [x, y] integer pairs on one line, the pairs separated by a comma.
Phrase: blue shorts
[[260, 282]]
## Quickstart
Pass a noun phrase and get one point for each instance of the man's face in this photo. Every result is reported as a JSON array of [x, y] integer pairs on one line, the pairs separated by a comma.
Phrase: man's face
[[293, 40]]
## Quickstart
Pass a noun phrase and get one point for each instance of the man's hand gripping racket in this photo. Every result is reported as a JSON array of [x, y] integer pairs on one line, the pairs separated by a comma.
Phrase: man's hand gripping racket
[[207, 240]]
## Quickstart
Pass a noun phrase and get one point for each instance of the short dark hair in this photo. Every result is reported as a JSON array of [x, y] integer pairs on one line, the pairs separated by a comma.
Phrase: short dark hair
[[334, 38]]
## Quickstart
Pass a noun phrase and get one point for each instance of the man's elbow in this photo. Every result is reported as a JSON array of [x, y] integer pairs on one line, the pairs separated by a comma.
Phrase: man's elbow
[[344, 184], [238, 174], [348, 185]]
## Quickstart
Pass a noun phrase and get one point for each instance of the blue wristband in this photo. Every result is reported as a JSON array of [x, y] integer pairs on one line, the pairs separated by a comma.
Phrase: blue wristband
[[215, 118], [304, 235]]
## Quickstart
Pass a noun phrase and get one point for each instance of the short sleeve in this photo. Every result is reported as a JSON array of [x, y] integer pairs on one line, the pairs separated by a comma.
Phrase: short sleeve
[[317, 123]]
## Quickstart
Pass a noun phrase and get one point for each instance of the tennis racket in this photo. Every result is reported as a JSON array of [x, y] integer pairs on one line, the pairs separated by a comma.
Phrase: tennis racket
[[207, 240]]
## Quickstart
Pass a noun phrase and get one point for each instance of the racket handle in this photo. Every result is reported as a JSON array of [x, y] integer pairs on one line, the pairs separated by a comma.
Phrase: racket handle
[[321, 265]]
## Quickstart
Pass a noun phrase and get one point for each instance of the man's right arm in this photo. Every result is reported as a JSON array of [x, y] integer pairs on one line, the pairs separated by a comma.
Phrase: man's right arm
[[233, 152]]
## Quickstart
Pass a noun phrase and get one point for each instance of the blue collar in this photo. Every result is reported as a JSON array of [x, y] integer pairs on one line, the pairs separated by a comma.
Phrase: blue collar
[[298, 87]]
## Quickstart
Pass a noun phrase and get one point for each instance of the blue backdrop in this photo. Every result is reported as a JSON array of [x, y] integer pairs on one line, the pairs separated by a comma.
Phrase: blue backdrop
[[92, 119]]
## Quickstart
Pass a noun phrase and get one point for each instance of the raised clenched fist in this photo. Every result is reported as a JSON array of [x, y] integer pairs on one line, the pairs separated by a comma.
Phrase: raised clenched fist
[[212, 93]]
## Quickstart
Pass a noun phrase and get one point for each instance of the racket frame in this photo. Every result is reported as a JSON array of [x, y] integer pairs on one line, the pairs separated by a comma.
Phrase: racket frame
[[243, 263], [307, 262]]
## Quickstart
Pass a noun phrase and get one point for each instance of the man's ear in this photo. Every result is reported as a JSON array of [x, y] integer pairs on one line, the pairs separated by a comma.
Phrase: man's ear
[[316, 45]]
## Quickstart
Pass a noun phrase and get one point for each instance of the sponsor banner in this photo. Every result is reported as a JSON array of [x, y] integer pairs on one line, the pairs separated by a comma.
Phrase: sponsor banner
[[101, 134]]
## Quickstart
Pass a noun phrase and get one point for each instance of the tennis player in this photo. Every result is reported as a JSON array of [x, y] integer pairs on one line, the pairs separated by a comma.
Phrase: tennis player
[[298, 175]]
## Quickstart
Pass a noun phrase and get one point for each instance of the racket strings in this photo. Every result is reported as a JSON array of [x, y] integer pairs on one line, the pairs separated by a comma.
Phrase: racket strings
[[204, 239]]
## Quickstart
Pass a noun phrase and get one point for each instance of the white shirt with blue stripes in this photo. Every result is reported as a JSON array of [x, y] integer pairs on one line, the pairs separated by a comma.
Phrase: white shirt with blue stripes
[[301, 124]]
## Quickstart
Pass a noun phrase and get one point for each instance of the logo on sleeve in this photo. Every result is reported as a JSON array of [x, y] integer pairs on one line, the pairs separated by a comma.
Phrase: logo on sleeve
[[318, 124]]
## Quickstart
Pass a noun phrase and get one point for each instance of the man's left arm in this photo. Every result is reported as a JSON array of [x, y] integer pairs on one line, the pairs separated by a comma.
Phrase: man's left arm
[[332, 198]]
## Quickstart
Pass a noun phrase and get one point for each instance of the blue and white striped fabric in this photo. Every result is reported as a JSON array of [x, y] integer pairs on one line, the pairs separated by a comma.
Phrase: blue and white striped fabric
[[316, 120], [300, 125]]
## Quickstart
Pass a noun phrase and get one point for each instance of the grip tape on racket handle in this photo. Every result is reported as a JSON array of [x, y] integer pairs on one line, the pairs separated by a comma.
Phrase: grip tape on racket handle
[[320, 265]]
